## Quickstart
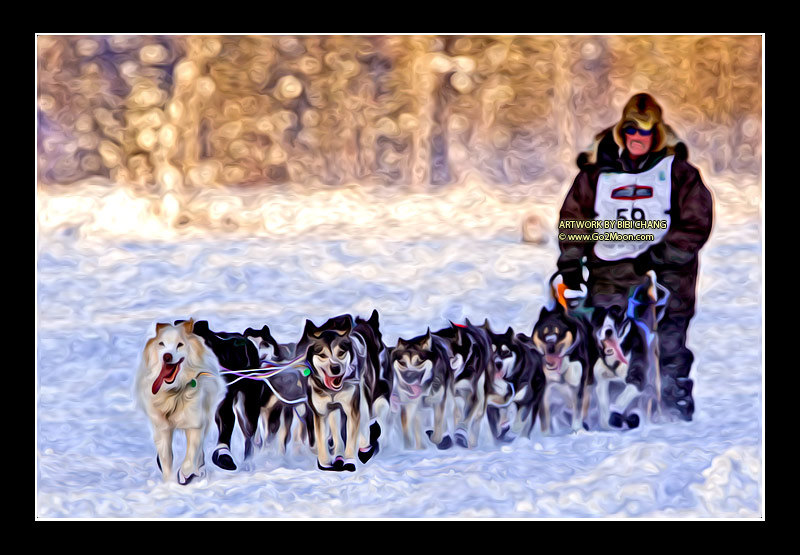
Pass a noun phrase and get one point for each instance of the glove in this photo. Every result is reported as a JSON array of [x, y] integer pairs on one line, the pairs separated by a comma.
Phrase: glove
[[568, 287], [572, 278]]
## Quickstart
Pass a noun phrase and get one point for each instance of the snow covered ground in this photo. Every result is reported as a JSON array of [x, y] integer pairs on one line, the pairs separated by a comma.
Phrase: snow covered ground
[[108, 269]]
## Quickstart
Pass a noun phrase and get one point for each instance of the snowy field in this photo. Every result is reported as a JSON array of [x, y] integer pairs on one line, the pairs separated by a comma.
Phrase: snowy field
[[108, 270]]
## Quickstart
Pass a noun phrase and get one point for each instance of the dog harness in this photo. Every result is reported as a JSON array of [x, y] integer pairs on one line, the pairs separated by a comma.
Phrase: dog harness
[[272, 370]]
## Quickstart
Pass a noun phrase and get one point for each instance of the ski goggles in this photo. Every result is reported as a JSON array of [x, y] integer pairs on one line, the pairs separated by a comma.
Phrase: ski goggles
[[630, 131]]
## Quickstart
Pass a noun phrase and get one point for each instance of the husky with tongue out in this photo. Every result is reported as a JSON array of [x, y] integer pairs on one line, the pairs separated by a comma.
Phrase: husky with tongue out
[[345, 357], [621, 362], [563, 341], [179, 386], [420, 368], [517, 385]]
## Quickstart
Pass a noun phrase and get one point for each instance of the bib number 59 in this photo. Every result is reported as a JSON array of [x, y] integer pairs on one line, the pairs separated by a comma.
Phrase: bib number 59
[[636, 214]]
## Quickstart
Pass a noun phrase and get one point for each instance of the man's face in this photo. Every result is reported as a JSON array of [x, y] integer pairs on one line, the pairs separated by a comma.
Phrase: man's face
[[638, 142]]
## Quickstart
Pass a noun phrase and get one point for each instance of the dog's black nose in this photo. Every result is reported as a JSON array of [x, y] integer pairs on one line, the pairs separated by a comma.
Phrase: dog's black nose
[[498, 364], [335, 370], [608, 334], [167, 357]]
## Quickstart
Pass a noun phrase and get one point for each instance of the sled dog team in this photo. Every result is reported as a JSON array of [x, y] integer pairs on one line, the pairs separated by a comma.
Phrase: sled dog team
[[343, 386]]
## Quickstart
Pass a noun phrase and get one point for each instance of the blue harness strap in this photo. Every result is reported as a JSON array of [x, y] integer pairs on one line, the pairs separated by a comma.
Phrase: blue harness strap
[[634, 304]]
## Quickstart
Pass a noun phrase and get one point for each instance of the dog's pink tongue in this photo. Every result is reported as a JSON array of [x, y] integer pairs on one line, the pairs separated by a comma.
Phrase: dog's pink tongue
[[614, 346], [333, 383], [165, 373], [552, 360]]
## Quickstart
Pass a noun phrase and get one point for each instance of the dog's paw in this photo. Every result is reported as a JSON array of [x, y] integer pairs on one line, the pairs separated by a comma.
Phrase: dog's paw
[[185, 480], [222, 458], [347, 465], [339, 465], [505, 436], [615, 420], [446, 442], [332, 468], [365, 455], [461, 439], [632, 420]]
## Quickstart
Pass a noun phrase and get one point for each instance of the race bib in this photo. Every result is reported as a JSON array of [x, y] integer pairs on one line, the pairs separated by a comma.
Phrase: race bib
[[633, 201]]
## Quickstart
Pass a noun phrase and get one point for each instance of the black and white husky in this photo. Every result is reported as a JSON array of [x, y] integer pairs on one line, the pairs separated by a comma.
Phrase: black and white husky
[[517, 382], [564, 342], [278, 414], [244, 397], [346, 380], [628, 358], [621, 369], [420, 369], [469, 379]]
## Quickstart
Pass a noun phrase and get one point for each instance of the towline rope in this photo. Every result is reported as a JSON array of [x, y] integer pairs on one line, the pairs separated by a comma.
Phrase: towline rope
[[273, 369]]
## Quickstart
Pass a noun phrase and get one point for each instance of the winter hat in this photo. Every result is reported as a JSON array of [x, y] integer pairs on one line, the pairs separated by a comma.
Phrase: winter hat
[[643, 112]]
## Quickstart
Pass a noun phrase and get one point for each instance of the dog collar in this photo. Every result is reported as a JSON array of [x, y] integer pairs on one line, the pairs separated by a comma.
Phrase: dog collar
[[193, 383]]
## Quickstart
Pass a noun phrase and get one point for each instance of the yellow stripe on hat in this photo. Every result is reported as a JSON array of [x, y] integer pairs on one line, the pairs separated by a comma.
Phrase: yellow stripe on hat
[[644, 125]]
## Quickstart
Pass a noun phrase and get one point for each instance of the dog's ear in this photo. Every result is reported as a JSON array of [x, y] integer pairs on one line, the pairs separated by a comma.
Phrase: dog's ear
[[188, 326], [509, 333], [373, 320], [340, 325], [544, 313], [347, 325], [401, 342], [302, 345], [427, 341], [263, 333], [161, 326], [266, 335], [309, 329]]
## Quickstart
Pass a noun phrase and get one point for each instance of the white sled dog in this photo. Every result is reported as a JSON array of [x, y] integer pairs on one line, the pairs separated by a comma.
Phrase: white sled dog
[[179, 386]]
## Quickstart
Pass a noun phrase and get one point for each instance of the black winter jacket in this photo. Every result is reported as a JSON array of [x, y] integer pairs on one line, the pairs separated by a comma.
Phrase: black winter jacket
[[690, 212]]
